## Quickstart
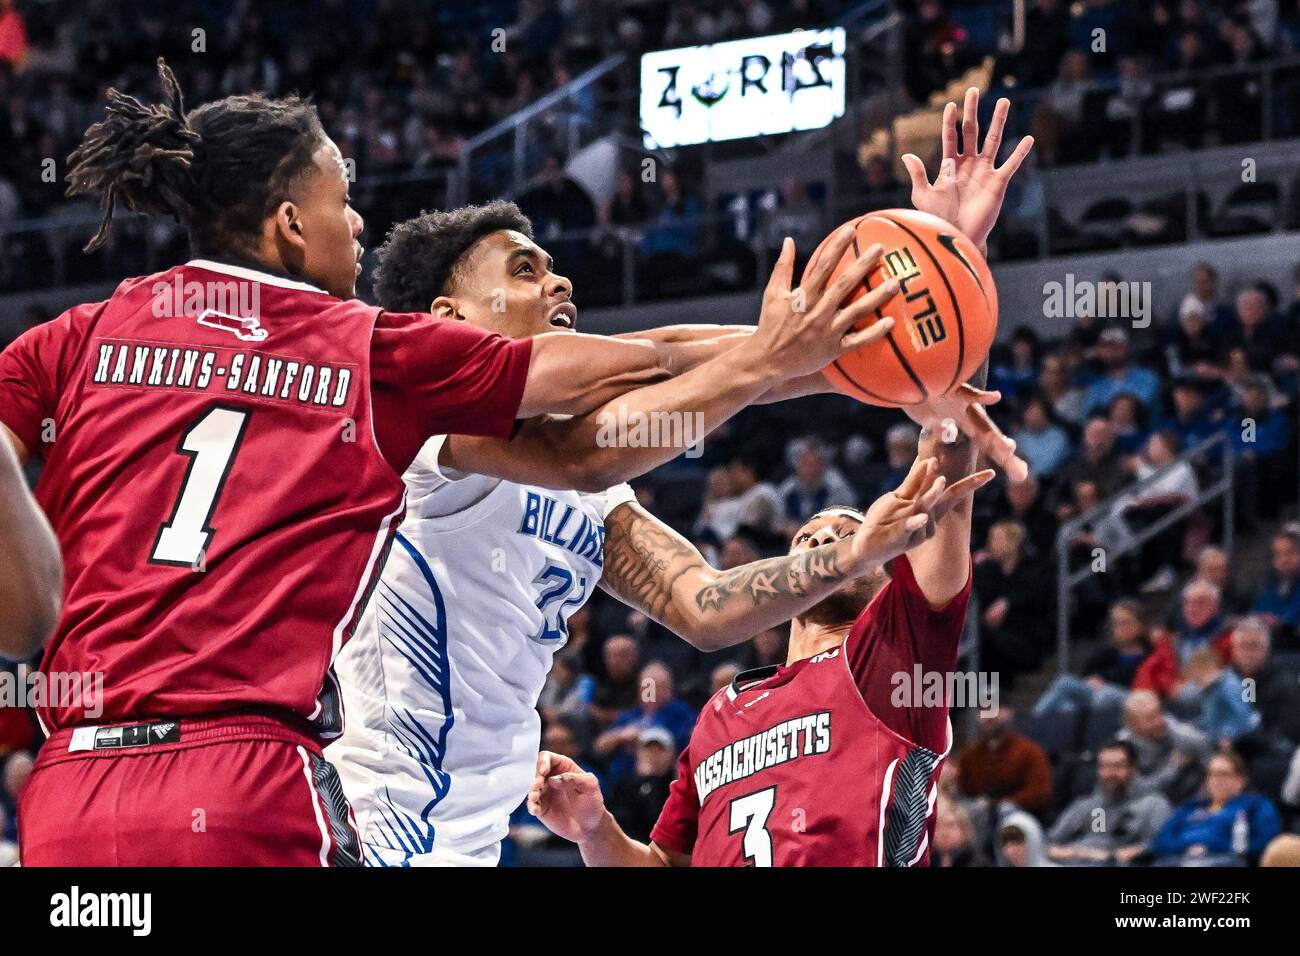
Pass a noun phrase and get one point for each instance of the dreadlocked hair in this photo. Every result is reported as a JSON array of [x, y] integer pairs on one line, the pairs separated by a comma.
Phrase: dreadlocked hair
[[219, 170]]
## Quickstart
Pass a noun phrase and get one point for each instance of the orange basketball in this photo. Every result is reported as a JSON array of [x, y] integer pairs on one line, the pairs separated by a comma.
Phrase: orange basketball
[[945, 314]]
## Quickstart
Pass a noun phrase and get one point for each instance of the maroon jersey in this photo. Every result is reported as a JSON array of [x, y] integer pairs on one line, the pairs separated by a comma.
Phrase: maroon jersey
[[223, 455], [810, 764]]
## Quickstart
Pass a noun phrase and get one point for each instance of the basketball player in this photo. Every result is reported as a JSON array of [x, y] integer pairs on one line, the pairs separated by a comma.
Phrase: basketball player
[[442, 682], [817, 762], [223, 446]]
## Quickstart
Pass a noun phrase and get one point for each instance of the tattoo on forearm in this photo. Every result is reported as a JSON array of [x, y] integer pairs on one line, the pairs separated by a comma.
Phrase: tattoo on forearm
[[644, 561], [793, 575]]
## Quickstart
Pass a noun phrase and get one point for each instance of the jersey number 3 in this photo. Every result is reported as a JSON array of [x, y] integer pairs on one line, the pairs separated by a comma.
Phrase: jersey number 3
[[210, 444], [749, 813]]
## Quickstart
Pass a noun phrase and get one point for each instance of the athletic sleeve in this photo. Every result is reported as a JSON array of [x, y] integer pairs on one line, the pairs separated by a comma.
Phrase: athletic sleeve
[[679, 820], [898, 631], [431, 376], [33, 370]]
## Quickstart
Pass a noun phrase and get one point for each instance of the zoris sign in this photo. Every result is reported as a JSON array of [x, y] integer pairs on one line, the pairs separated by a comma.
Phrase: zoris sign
[[755, 87]]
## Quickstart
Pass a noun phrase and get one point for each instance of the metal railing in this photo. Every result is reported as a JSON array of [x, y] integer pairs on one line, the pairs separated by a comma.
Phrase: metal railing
[[564, 120], [1121, 540]]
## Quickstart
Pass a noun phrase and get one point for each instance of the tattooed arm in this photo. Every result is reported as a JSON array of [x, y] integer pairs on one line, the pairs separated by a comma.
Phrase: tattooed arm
[[652, 568]]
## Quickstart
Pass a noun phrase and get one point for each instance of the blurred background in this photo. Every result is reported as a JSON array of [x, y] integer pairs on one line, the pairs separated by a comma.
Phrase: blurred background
[[1148, 354]]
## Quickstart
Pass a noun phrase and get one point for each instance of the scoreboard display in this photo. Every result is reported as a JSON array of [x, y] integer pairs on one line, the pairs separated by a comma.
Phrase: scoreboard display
[[754, 87]]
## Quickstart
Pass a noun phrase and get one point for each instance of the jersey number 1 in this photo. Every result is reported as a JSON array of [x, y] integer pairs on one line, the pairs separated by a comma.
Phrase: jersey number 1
[[210, 444]]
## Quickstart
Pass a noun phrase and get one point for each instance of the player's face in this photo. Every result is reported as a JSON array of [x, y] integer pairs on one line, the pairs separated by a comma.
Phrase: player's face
[[327, 253], [847, 603], [509, 286]]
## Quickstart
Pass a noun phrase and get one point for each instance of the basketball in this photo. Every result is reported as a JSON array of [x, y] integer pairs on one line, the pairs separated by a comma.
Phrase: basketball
[[945, 314]]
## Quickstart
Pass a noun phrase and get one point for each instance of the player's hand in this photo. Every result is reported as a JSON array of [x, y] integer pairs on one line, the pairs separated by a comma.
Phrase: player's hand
[[907, 516], [801, 331], [962, 410], [565, 797], [970, 188]]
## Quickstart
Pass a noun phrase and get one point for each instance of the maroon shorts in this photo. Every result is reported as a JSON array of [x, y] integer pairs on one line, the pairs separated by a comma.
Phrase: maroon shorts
[[230, 791]]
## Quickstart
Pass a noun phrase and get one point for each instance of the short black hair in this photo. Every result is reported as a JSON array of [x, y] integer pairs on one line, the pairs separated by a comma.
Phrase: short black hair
[[218, 170], [1118, 743], [420, 256]]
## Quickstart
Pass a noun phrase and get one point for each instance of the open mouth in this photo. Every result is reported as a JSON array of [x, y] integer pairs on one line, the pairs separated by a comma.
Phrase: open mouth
[[564, 316]]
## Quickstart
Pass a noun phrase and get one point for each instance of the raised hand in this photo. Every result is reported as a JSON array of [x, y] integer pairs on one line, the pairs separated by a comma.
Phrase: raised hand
[[962, 410], [801, 331], [969, 189], [905, 517]]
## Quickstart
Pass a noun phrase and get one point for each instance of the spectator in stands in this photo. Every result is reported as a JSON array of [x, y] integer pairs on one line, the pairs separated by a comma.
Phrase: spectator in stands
[[1200, 625], [1113, 824], [1021, 842], [1223, 713], [1004, 766], [1096, 460], [722, 676], [736, 498], [1040, 441], [617, 690], [815, 484], [672, 238], [796, 216], [900, 452], [1179, 110], [954, 837], [1168, 484], [1059, 129], [1170, 752], [1128, 416], [1192, 346], [1227, 826], [934, 50], [1056, 385], [1257, 331], [1018, 371], [1279, 603], [1194, 419], [1205, 287], [1275, 697], [1013, 619], [628, 205], [1239, 96], [1107, 675], [1212, 566], [1121, 375], [1126, 109], [658, 707], [764, 649], [636, 799], [567, 690], [1023, 502]]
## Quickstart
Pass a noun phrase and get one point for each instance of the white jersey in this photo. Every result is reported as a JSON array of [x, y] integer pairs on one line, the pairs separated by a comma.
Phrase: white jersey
[[440, 682]]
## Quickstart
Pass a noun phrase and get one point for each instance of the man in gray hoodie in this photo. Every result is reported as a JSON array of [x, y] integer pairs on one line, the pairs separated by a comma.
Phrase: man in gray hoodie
[[1114, 823]]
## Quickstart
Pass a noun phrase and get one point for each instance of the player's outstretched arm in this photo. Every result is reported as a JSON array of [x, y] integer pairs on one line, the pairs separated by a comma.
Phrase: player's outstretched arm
[[652, 568], [569, 803], [799, 332], [31, 569], [942, 563]]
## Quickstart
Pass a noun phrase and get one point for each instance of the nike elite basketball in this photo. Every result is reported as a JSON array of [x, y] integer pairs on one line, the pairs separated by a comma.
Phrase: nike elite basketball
[[945, 314]]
